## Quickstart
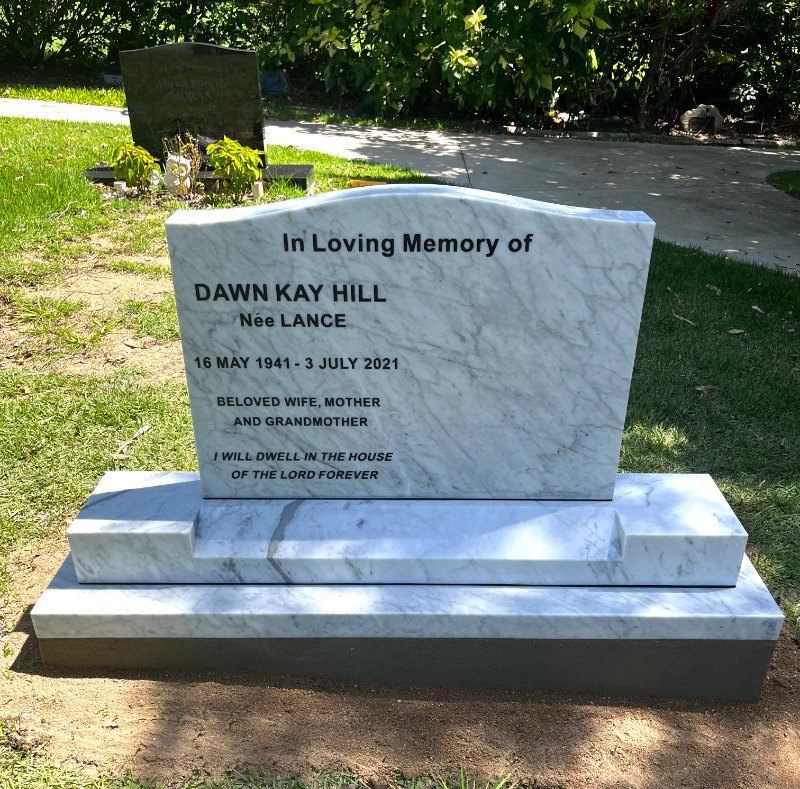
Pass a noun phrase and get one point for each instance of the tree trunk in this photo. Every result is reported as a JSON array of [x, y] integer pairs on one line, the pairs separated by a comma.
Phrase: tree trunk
[[655, 69], [661, 80]]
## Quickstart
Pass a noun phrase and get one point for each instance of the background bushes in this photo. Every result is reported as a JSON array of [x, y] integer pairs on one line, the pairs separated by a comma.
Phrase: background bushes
[[648, 58], [90, 33]]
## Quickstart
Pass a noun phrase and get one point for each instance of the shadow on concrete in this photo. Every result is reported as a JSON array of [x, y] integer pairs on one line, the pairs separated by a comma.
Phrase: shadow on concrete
[[714, 198]]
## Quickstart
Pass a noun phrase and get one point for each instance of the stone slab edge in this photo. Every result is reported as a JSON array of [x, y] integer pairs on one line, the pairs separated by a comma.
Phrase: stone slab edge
[[644, 137], [659, 530], [68, 609]]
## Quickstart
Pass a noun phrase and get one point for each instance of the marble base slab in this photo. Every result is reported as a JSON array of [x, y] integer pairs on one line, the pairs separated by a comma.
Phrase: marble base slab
[[644, 641], [155, 527], [69, 609]]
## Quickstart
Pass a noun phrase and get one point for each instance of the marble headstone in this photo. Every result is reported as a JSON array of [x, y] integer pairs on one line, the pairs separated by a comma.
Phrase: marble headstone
[[371, 373], [208, 90], [409, 342]]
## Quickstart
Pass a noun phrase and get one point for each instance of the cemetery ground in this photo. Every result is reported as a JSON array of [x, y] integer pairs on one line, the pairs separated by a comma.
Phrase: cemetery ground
[[91, 379]]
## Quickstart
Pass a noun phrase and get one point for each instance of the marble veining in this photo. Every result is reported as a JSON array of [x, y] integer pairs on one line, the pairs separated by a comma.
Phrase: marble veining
[[68, 609], [659, 529], [508, 371]]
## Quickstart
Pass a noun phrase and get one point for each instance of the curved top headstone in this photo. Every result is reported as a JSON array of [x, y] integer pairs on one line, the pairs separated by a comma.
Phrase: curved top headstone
[[210, 91], [409, 342]]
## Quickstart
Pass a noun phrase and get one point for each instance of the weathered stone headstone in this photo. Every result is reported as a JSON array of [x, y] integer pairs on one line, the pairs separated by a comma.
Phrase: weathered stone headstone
[[408, 405], [208, 90], [703, 118]]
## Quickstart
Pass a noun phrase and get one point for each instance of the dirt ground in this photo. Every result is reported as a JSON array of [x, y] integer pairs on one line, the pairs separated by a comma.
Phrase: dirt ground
[[101, 291], [170, 725]]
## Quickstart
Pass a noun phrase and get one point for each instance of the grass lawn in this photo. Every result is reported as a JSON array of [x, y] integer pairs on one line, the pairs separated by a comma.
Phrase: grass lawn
[[787, 181], [19, 767], [107, 97], [59, 430], [276, 108], [715, 386], [716, 389]]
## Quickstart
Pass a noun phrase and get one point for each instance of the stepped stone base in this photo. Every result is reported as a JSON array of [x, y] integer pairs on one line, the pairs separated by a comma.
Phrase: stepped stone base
[[657, 530], [665, 641]]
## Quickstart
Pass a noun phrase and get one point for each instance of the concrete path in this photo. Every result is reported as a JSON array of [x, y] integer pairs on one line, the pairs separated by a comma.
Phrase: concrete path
[[715, 198], [61, 111]]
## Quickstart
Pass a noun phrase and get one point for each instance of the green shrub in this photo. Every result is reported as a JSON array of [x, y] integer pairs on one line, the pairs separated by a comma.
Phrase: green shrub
[[133, 164], [403, 57], [738, 54], [763, 58], [90, 33], [235, 164], [31, 31], [501, 57]]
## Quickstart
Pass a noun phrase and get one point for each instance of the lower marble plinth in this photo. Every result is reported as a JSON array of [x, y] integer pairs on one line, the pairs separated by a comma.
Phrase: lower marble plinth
[[688, 642], [659, 529]]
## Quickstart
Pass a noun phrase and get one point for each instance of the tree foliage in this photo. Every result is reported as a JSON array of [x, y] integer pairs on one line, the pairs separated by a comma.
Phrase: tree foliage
[[662, 57], [683, 31], [91, 32], [758, 64], [31, 30], [399, 56], [650, 58]]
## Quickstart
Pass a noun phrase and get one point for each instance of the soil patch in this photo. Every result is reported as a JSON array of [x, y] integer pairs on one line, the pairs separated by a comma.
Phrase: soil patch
[[170, 725], [101, 292], [158, 361]]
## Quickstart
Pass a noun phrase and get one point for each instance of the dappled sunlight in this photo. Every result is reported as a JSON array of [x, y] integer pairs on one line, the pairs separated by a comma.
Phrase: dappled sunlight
[[681, 177], [431, 152], [712, 197], [656, 448], [788, 154]]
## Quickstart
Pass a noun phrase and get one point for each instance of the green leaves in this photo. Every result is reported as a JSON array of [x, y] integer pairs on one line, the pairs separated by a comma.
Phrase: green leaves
[[235, 164], [474, 22], [496, 56], [462, 58], [133, 164]]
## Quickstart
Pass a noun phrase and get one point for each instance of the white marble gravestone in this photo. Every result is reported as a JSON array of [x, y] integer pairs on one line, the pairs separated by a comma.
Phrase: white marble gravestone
[[458, 344], [408, 404]]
